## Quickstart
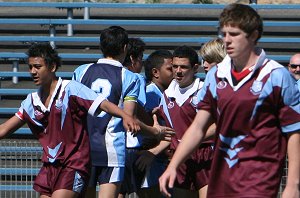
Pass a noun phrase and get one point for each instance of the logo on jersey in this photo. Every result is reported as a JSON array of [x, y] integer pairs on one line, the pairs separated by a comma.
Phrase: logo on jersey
[[194, 101], [222, 84], [231, 151], [170, 105], [37, 113], [58, 104], [256, 87]]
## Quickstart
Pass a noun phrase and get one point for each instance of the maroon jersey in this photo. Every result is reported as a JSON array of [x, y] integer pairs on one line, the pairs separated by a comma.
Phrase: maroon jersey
[[253, 117], [61, 128], [178, 109]]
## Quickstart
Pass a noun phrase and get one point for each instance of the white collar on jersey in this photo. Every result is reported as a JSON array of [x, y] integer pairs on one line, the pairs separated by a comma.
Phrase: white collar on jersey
[[37, 100], [109, 61], [224, 69], [181, 95]]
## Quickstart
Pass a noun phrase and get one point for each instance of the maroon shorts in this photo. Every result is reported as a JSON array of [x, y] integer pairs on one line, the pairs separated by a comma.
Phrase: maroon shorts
[[194, 173], [54, 177]]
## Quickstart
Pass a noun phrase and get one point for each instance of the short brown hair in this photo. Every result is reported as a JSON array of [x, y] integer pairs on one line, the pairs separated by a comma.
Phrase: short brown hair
[[242, 16]]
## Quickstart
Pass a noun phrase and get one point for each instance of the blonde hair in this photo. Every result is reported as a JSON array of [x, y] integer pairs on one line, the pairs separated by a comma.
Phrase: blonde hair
[[213, 51]]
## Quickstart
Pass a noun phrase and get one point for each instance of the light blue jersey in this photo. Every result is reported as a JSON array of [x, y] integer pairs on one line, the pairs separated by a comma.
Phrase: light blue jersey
[[153, 95], [136, 141]]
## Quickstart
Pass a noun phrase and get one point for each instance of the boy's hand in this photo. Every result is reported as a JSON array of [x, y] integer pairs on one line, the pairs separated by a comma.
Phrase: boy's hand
[[131, 124], [163, 132]]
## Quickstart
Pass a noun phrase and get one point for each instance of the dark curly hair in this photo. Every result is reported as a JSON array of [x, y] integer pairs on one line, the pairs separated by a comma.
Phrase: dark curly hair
[[46, 51]]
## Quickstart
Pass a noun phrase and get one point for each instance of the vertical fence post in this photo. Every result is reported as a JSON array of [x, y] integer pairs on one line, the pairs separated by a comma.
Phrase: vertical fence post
[[15, 69], [86, 11], [70, 17], [52, 34]]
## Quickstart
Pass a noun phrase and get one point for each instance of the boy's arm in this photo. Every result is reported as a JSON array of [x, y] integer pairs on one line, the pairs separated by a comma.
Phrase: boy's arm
[[161, 132], [292, 187], [10, 126], [190, 140], [146, 157], [129, 122]]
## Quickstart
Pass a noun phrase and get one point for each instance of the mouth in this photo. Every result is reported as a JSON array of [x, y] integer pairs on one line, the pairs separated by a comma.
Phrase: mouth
[[35, 78], [229, 50], [178, 78]]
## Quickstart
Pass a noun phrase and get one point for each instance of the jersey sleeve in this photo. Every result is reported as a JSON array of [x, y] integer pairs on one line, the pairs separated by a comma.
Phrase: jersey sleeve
[[86, 98], [80, 71], [207, 93], [142, 92], [131, 86], [289, 108], [20, 113]]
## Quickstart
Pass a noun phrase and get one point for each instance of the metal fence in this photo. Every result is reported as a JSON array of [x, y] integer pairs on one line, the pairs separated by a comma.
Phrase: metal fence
[[20, 163]]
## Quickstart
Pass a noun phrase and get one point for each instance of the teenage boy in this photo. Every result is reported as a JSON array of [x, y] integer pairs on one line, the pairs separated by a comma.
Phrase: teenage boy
[[56, 115], [255, 104], [178, 108]]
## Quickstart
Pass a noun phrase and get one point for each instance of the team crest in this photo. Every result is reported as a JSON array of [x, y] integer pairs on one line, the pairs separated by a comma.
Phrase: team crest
[[170, 105], [194, 101], [256, 87], [222, 84], [37, 113], [58, 104]]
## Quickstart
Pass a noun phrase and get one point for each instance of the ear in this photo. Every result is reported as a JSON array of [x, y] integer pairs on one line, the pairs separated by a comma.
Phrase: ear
[[155, 72], [53, 68], [254, 36], [125, 48], [195, 68], [132, 60]]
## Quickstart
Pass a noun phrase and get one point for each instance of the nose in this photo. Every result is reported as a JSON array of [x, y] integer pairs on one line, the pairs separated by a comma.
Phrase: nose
[[32, 70], [226, 38], [178, 70]]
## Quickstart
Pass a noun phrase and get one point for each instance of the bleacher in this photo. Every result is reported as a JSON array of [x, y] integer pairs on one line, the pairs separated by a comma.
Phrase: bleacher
[[75, 34]]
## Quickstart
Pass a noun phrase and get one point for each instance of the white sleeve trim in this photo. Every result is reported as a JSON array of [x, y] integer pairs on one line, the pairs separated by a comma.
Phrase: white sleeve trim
[[95, 105]]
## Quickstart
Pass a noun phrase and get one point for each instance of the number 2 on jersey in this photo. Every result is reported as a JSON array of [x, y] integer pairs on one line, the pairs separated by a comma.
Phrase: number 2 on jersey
[[102, 87]]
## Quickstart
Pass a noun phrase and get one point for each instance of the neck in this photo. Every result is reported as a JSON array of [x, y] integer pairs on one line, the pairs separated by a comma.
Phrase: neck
[[159, 85], [119, 58], [48, 89], [245, 62]]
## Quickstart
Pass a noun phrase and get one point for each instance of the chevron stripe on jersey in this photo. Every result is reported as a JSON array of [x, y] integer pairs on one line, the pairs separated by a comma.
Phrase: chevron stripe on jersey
[[251, 118], [61, 127]]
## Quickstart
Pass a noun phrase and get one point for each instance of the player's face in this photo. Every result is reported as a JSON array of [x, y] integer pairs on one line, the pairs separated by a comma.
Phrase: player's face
[[138, 63], [238, 43], [165, 73], [183, 71], [39, 71], [207, 66]]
